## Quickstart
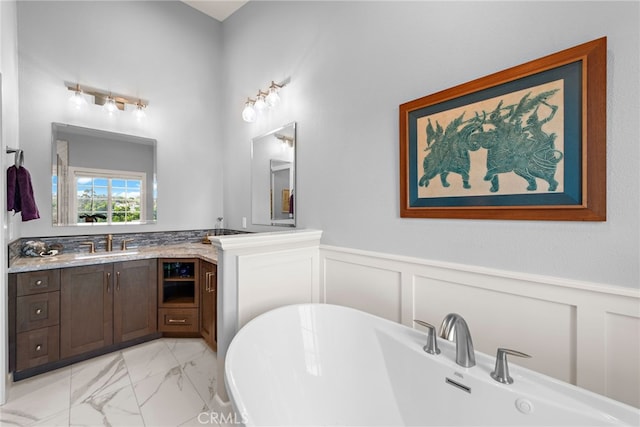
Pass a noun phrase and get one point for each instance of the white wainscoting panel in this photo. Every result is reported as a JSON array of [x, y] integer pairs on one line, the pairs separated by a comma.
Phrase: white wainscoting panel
[[504, 319], [274, 279], [587, 334], [347, 282], [622, 356]]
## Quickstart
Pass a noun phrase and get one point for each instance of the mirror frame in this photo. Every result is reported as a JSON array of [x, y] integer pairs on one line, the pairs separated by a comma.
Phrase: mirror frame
[[150, 183], [289, 222]]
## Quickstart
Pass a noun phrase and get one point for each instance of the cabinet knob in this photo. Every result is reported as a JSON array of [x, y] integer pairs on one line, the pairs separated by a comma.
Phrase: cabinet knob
[[38, 283], [38, 310], [38, 347]]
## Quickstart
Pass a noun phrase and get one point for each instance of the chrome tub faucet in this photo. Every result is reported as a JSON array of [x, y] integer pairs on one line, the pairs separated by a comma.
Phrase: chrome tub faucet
[[454, 328]]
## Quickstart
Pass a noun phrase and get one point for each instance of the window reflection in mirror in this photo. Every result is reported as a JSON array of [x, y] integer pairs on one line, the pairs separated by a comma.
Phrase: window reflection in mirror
[[273, 177], [102, 178]]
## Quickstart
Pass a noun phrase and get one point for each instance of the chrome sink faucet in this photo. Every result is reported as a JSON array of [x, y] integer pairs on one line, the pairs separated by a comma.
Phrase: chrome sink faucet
[[454, 328]]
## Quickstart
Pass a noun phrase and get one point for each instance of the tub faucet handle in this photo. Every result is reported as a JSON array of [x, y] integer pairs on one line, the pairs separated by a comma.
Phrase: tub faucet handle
[[501, 371], [431, 346]]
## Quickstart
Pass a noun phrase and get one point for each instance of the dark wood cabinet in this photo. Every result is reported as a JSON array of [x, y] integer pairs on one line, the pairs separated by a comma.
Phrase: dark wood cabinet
[[61, 316], [86, 297], [179, 296], [134, 302], [208, 303], [106, 304], [34, 318]]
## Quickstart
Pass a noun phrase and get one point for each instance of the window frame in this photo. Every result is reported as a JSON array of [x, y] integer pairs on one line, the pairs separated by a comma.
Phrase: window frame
[[110, 175]]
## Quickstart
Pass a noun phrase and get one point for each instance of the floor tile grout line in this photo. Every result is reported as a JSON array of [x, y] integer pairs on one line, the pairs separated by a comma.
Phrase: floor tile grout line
[[133, 389], [205, 401]]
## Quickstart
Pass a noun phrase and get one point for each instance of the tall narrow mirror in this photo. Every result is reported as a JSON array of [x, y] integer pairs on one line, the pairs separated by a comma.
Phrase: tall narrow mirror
[[273, 177], [102, 178]]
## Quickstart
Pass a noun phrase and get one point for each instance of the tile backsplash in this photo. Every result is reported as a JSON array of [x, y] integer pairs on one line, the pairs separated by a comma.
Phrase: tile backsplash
[[71, 244]]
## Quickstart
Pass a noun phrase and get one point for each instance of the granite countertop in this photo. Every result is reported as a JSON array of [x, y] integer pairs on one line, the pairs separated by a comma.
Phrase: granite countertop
[[182, 250]]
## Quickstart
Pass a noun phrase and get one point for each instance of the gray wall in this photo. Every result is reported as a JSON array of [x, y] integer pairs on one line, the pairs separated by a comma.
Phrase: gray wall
[[352, 63], [165, 52]]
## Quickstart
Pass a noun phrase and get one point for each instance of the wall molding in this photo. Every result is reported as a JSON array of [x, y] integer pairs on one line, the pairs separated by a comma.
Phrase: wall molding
[[584, 333], [533, 278]]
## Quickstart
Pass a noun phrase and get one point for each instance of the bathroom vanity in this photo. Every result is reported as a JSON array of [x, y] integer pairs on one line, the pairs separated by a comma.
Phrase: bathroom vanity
[[73, 308]]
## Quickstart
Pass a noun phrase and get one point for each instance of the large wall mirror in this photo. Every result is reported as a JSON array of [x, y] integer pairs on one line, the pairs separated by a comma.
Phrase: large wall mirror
[[273, 177], [102, 178]]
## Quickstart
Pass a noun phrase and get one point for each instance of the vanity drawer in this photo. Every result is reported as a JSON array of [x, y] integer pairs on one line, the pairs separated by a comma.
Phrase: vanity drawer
[[37, 311], [178, 319], [37, 282], [38, 347]]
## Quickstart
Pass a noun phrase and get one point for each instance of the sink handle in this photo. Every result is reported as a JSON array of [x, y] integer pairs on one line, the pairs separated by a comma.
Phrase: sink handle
[[92, 246], [501, 371], [124, 244], [431, 346]]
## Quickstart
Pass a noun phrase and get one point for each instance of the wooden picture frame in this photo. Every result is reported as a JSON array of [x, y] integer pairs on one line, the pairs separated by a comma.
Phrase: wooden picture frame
[[526, 143]]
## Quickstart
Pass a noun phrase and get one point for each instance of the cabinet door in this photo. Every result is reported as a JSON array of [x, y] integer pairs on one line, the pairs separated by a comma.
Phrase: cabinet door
[[208, 301], [86, 309], [134, 299]]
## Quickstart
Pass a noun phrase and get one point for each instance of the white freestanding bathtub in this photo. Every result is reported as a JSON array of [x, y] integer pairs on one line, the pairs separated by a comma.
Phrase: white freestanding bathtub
[[327, 365]]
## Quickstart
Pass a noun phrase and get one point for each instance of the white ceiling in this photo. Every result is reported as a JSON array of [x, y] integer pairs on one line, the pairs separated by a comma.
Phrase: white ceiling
[[218, 9]]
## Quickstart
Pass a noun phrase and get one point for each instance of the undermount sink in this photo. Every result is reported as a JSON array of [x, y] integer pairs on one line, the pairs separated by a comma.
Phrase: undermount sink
[[106, 254]]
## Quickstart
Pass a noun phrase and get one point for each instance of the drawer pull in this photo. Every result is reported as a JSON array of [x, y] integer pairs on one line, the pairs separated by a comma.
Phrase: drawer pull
[[38, 310], [38, 347], [38, 283], [177, 320]]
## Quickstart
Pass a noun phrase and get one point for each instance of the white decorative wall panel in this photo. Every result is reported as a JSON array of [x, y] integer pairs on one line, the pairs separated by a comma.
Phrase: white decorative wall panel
[[543, 329], [584, 333], [622, 346], [348, 282], [274, 279]]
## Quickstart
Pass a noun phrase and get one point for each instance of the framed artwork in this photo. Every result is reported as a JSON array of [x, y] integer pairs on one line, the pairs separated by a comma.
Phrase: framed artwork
[[526, 143]]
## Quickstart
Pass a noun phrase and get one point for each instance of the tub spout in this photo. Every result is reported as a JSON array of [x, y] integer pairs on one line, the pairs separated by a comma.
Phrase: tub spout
[[454, 328]]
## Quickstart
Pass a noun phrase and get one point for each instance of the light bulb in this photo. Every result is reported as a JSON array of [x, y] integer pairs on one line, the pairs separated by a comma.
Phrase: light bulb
[[77, 100], [110, 106], [260, 104], [249, 113], [139, 113], [273, 99]]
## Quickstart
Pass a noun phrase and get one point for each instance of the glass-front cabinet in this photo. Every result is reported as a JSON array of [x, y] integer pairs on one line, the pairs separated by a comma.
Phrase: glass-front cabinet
[[178, 295]]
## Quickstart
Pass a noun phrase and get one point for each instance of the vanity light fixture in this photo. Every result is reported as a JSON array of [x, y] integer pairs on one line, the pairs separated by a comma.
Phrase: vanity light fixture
[[273, 99], [249, 113], [285, 139], [260, 103], [111, 102], [77, 99], [139, 113], [265, 99], [110, 105]]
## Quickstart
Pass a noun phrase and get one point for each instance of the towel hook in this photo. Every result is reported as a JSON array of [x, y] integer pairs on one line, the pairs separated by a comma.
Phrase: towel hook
[[19, 156]]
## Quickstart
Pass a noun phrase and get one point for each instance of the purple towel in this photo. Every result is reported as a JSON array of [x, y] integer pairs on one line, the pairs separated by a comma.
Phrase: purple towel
[[20, 193]]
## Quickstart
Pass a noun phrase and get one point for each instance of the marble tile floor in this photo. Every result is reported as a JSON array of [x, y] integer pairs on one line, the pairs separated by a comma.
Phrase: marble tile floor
[[165, 382]]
